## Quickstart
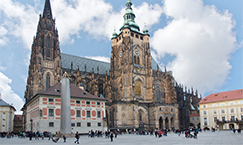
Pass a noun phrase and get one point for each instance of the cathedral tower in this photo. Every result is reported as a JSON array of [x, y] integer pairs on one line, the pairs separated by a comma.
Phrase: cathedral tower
[[131, 72], [45, 62], [131, 68]]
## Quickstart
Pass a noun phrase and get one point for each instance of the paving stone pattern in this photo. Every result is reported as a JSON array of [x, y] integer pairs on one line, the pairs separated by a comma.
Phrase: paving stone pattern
[[204, 138]]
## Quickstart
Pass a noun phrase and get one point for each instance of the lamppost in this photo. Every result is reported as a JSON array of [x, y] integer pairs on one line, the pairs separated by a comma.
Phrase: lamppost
[[31, 124]]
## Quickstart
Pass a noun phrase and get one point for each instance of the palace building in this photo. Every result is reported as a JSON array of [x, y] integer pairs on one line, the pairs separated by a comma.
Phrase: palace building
[[138, 93], [223, 110]]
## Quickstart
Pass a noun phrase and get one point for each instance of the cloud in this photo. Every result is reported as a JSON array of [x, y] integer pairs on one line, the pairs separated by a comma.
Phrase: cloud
[[8, 94], [202, 41], [100, 58], [19, 20], [3, 38], [2, 68], [97, 17]]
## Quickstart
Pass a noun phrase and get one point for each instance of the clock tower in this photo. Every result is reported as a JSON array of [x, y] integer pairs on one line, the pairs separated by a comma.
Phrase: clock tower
[[131, 70]]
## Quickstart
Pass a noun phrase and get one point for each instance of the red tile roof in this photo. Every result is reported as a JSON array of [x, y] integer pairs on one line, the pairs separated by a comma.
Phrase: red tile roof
[[74, 92], [223, 96]]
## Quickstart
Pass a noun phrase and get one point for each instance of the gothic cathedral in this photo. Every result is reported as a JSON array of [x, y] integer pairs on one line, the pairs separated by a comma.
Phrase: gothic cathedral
[[139, 94]]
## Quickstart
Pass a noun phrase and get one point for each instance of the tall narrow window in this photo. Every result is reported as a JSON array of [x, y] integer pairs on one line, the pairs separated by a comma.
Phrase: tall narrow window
[[138, 61], [48, 81], [48, 54], [140, 117], [138, 88], [48, 44], [135, 60], [48, 25]]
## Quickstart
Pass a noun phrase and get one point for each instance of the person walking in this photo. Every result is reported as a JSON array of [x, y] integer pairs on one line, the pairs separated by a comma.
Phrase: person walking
[[111, 136], [64, 138], [77, 137], [30, 135]]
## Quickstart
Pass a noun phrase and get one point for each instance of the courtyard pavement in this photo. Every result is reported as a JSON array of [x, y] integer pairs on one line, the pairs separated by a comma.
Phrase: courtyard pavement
[[204, 138]]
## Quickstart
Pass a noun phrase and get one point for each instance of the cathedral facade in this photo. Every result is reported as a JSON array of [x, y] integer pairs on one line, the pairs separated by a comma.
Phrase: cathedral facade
[[139, 93]]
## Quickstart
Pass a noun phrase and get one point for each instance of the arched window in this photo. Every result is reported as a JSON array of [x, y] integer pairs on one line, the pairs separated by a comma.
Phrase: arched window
[[138, 61], [135, 62], [48, 81], [138, 88]]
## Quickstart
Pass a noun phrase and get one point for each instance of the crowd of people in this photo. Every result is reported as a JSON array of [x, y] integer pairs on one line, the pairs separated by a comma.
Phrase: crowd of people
[[110, 134]]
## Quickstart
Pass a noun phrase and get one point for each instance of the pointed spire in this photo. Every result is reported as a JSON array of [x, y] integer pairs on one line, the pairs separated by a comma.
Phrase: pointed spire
[[47, 10]]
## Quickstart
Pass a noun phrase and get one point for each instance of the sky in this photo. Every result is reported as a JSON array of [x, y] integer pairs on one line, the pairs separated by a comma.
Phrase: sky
[[200, 41]]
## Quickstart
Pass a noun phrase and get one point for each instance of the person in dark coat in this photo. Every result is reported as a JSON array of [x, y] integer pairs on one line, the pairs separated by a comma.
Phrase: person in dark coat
[[64, 138], [111, 136], [77, 137], [30, 135]]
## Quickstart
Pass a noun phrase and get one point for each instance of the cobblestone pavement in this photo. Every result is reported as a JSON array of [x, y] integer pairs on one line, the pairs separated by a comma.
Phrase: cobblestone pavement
[[204, 138]]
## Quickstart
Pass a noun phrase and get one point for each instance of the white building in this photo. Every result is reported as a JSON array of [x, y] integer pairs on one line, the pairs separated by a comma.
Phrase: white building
[[44, 111], [6, 116]]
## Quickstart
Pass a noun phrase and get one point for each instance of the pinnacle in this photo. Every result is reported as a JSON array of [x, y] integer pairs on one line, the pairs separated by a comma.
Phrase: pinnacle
[[47, 10]]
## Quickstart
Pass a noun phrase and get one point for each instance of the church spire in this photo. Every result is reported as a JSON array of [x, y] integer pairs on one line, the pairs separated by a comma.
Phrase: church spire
[[47, 10]]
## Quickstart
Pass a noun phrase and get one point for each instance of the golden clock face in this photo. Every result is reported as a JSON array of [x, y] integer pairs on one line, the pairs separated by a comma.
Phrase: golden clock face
[[136, 52], [120, 55]]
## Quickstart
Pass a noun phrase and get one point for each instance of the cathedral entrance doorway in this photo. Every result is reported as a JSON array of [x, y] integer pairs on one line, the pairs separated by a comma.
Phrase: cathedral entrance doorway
[[161, 123], [166, 123], [172, 122]]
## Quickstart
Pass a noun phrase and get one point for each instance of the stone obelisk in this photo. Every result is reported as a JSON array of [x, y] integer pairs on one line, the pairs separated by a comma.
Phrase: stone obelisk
[[65, 128]]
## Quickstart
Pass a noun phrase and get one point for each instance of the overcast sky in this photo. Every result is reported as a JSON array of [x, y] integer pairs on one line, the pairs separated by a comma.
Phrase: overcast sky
[[199, 40]]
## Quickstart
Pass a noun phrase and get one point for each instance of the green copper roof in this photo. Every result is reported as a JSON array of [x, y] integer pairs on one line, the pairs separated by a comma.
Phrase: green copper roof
[[129, 18], [145, 30], [114, 34]]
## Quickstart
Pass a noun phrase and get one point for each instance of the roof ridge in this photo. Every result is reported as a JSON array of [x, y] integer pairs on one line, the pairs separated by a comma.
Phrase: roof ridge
[[227, 91]]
